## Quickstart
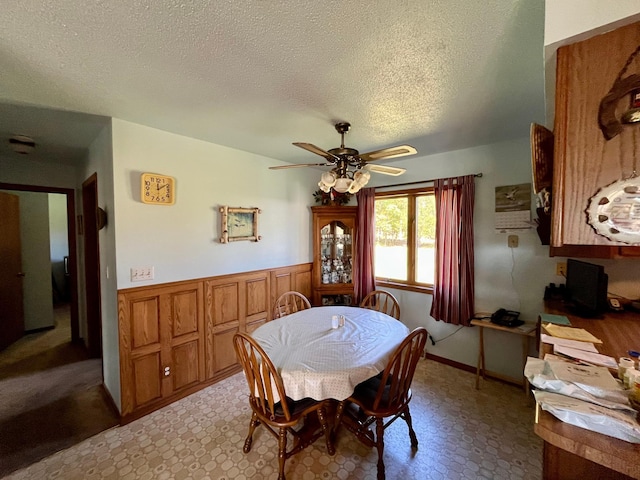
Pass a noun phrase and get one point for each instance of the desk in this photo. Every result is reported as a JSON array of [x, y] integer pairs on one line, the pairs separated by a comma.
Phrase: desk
[[317, 361], [526, 331], [572, 452]]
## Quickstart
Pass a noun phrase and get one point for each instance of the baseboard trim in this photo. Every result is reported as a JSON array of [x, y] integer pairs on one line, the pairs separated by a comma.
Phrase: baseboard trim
[[471, 369]]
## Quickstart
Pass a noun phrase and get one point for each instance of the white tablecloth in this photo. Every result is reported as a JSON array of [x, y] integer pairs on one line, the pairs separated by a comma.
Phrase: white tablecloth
[[320, 362]]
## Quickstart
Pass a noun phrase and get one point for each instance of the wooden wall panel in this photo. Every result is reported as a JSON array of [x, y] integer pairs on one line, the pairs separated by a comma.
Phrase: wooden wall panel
[[282, 283], [224, 354], [188, 327], [145, 327], [184, 312], [225, 307], [185, 365], [257, 296], [146, 379], [223, 313]]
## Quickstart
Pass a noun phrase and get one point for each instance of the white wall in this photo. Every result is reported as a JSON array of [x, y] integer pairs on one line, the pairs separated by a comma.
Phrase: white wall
[[25, 171], [181, 241], [100, 161]]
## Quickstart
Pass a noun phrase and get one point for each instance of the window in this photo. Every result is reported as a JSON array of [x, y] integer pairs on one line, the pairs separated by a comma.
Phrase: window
[[405, 239]]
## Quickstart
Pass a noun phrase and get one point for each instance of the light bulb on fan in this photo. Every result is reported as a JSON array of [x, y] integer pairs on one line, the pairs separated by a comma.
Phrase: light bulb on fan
[[342, 184]]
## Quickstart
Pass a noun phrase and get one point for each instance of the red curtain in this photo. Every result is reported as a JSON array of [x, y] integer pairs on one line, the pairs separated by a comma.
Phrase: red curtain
[[364, 280], [453, 289]]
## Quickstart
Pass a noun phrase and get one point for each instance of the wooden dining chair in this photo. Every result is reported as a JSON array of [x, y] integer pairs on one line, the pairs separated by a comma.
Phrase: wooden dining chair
[[290, 302], [385, 396], [272, 408], [382, 301]]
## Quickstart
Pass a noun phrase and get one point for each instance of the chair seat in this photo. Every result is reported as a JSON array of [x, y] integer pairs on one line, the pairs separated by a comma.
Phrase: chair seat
[[365, 394], [296, 407]]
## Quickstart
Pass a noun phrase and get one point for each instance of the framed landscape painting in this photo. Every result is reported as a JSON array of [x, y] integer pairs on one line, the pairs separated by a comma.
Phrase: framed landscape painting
[[239, 224]]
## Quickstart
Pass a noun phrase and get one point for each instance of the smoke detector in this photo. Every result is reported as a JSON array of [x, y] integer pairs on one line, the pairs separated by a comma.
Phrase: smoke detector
[[22, 144]]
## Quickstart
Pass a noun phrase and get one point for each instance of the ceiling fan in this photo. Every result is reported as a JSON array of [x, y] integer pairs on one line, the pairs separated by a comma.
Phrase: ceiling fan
[[351, 169]]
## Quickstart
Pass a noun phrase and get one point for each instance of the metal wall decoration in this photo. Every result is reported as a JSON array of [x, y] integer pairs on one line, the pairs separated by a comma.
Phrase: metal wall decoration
[[614, 212], [239, 224]]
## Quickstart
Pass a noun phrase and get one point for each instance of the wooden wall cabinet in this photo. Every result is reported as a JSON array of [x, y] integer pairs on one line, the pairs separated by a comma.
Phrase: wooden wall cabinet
[[584, 161], [334, 230], [162, 352]]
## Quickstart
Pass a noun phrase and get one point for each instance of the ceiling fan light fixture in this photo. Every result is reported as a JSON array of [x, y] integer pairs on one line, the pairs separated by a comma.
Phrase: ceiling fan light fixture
[[342, 184], [329, 178], [360, 179]]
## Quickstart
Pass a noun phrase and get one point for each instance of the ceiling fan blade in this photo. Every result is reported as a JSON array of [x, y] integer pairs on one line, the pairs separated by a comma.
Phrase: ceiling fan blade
[[317, 150], [385, 169], [391, 152], [281, 167]]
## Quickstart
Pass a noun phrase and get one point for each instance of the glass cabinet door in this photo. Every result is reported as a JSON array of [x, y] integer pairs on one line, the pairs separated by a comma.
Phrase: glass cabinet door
[[336, 252]]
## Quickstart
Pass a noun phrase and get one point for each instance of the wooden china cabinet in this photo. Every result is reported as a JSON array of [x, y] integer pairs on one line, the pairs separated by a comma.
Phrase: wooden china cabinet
[[334, 229]]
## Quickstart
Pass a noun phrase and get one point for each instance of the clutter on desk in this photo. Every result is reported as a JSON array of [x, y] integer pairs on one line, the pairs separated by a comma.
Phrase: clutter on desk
[[585, 382], [619, 424], [588, 396]]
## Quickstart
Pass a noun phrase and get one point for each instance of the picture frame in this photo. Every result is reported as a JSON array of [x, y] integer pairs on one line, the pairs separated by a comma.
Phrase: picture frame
[[239, 224]]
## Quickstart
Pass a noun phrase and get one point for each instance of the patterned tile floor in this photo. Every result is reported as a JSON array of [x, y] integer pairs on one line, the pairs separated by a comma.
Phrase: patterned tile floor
[[463, 433]]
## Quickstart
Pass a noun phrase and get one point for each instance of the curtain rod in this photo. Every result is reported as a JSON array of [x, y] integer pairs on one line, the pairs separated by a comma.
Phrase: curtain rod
[[417, 183]]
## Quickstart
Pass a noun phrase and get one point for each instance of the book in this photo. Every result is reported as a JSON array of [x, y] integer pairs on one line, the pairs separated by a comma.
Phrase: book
[[555, 319]]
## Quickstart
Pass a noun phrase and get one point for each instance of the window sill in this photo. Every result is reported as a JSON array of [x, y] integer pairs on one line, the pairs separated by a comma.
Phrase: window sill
[[403, 286]]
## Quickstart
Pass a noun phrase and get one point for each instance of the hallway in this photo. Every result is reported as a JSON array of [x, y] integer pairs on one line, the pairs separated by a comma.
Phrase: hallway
[[50, 396]]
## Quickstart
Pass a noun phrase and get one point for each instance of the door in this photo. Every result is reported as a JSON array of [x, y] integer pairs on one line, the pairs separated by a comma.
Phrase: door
[[11, 308], [92, 265]]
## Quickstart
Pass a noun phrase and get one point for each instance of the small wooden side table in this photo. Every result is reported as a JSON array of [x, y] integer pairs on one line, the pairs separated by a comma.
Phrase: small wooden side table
[[526, 331]]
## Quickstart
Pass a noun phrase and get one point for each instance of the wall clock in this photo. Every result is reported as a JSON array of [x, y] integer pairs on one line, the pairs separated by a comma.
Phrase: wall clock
[[157, 189]]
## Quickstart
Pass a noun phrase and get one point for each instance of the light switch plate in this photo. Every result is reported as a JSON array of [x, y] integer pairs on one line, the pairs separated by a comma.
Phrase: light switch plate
[[139, 274], [512, 241]]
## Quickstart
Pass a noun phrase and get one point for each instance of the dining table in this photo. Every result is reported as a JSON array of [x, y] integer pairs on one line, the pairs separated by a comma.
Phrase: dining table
[[317, 359]]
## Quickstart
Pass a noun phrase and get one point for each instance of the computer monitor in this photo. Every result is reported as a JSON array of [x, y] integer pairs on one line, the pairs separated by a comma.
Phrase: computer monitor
[[586, 287]]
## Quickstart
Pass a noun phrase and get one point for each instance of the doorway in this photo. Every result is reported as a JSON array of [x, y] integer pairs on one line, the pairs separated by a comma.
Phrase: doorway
[[51, 385]]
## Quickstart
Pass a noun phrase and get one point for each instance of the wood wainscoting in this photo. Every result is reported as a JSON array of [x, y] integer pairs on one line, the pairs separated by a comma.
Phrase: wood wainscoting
[[176, 338]]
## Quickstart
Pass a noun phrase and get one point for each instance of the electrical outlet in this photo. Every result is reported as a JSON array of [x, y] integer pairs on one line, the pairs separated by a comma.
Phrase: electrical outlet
[[512, 241], [561, 269], [139, 274]]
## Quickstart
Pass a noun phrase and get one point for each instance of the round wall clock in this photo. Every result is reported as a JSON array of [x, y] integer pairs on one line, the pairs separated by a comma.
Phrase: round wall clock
[[614, 211], [157, 189]]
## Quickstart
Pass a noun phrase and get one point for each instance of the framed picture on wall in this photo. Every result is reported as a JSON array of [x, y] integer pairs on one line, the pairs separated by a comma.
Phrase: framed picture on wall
[[239, 224]]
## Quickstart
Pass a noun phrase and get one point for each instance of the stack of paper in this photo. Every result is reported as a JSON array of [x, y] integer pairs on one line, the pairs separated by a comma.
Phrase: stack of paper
[[571, 333], [588, 357]]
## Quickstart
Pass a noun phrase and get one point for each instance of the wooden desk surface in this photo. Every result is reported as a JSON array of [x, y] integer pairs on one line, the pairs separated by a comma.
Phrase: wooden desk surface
[[528, 329], [619, 332]]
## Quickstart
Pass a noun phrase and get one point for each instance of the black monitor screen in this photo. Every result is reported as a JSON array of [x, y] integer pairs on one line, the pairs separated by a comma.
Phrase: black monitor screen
[[587, 286]]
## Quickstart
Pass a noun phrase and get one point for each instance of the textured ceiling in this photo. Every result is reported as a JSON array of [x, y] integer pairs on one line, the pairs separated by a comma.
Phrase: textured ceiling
[[258, 75]]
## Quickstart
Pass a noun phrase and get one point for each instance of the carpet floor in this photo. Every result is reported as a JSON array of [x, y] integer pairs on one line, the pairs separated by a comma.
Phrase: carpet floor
[[51, 396]]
